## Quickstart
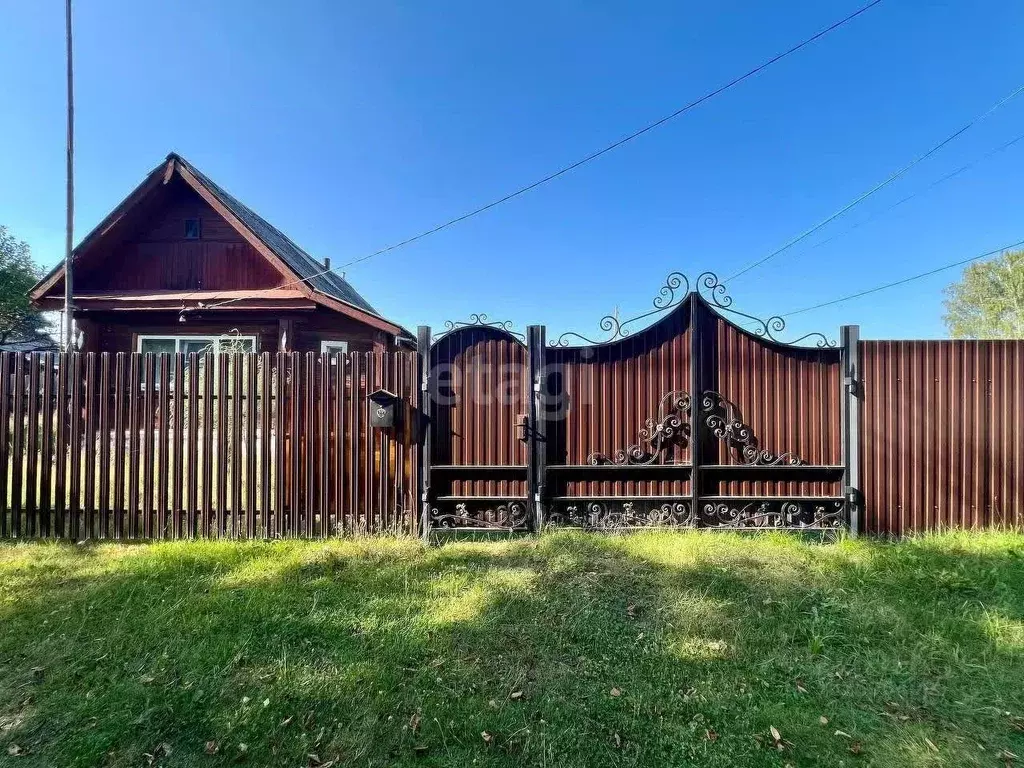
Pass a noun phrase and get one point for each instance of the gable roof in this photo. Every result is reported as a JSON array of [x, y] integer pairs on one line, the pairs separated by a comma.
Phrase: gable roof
[[304, 265], [306, 273]]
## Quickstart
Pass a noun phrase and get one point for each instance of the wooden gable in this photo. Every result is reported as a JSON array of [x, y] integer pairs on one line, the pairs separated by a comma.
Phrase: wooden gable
[[157, 254], [142, 247]]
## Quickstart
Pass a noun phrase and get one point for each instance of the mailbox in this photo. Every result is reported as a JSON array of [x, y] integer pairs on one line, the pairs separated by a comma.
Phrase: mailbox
[[385, 409]]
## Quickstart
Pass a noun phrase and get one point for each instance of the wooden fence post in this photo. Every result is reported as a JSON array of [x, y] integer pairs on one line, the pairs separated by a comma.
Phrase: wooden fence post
[[536, 430], [850, 411], [423, 426]]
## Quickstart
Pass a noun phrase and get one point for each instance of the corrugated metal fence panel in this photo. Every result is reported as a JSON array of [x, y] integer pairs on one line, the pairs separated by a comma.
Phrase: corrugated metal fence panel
[[790, 397], [604, 394], [940, 439], [481, 389], [149, 446]]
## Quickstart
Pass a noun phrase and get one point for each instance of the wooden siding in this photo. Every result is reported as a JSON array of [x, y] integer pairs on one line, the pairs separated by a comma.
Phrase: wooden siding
[[156, 256], [118, 331]]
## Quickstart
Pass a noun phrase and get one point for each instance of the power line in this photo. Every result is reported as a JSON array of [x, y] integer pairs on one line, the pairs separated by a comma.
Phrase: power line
[[937, 182], [593, 155], [881, 185], [905, 280]]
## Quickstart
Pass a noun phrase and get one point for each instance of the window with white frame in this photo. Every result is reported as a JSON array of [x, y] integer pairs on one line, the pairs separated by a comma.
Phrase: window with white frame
[[201, 345], [334, 347]]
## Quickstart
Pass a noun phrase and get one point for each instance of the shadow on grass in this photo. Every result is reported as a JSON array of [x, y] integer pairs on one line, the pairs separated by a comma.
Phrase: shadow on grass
[[660, 649]]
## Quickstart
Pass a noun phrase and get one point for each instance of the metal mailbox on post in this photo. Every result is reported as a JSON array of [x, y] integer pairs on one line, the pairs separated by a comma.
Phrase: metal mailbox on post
[[385, 409]]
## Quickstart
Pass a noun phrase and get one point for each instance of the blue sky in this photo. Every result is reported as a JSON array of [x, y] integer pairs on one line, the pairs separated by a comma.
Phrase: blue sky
[[353, 126]]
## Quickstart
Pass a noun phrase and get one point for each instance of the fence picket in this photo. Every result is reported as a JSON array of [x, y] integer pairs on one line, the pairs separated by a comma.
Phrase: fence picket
[[32, 448], [162, 438], [45, 448]]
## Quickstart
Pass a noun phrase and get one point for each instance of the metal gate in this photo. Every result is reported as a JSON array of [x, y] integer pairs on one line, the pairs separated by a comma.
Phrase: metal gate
[[704, 418]]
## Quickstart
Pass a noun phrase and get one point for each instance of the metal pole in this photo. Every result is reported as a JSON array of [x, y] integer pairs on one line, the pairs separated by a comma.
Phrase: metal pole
[[69, 322], [424, 427], [850, 341], [537, 424]]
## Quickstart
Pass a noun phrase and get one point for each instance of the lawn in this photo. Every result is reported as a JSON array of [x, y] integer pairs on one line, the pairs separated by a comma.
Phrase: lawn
[[656, 649]]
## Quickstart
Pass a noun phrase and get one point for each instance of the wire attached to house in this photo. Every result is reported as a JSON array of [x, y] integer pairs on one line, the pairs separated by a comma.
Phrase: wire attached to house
[[905, 280], [878, 187], [593, 155]]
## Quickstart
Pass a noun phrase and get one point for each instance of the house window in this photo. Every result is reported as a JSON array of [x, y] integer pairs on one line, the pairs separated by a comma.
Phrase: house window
[[201, 345], [198, 344], [332, 348], [192, 229]]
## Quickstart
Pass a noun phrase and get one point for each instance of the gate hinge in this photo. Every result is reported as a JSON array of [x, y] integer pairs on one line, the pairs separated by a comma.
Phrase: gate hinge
[[536, 384]]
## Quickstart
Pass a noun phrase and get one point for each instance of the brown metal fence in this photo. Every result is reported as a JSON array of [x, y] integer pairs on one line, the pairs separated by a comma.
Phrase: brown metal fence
[[132, 446], [941, 437], [704, 418]]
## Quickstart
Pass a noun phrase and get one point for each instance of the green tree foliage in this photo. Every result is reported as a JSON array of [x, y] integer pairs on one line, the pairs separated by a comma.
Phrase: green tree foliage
[[19, 320], [988, 300]]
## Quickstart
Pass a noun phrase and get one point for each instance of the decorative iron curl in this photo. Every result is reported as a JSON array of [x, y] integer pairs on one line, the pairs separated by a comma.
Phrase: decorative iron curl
[[480, 320], [507, 515], [713, 291], [675, 289], [724, 420], [773, 513], [669, 428], [612, 515]]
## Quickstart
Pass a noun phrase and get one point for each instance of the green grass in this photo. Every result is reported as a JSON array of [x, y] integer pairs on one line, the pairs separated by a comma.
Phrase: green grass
[[654, 649]]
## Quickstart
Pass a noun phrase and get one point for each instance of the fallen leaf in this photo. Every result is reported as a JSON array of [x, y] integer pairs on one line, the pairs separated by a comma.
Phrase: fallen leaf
[[487, 737], [146, 679], [420, 750], [516, 695], [856, 748], [631, 611], [492, 704], [618, 740], [844, 734], [211, 748], [931, 745], [287, 720], [414, 722], [775, 733], [711, 735], [800, 685], [615, 692], [823, 720], [1007, 757], [15, 750]]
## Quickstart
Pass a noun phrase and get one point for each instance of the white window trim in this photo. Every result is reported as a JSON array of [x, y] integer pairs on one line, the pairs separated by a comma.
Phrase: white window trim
[[325, 343], [192, 337]]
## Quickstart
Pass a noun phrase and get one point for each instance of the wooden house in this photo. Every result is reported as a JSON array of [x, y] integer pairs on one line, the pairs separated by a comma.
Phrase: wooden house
[[181, 265]]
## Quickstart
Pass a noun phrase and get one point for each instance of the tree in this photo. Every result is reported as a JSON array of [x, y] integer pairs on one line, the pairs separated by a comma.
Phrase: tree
[[988, 300], [19, 320]]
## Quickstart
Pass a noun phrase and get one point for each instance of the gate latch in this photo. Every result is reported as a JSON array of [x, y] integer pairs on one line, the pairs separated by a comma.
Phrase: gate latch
[[522, 422]]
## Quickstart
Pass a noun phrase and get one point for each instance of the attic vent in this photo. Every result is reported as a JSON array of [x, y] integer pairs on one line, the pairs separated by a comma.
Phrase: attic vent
[[191, 229]]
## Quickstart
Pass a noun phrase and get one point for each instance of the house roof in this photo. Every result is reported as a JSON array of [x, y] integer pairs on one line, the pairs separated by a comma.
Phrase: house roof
[[304, 265], [302, 271]]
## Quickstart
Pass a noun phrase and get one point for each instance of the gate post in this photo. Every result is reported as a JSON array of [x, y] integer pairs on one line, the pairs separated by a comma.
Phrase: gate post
[[424, 428], [536, 341], [850, 413], [696, 326]]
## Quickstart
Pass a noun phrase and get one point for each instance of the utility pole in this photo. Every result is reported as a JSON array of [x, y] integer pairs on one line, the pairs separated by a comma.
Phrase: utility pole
[[69, 321]]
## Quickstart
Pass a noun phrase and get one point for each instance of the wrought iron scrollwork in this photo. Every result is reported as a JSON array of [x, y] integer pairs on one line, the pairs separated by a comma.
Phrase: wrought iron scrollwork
[[605, 515], [671, 427], [713, 291], [773, 513], [480, 320], [675, 289], [507, 514], [724, 420]]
